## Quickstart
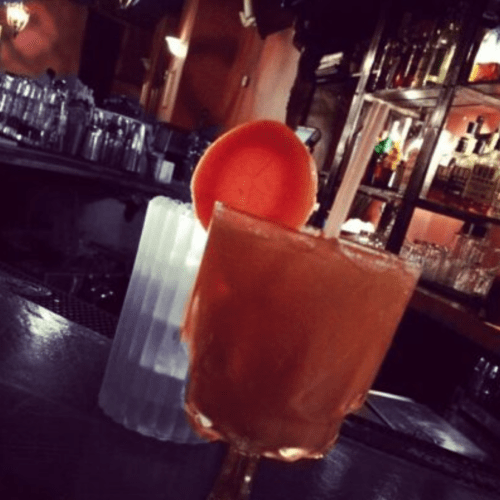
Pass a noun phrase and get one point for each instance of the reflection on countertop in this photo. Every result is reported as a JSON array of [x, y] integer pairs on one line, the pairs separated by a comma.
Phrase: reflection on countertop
[[56, 443]]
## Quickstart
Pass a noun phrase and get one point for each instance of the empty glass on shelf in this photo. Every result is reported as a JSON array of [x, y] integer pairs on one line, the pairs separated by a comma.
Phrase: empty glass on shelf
[[469, 267]]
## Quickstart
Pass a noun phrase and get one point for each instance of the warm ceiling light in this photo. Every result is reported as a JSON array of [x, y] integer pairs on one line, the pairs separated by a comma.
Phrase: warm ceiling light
[[125, 4], [177, 47], [17, 16]]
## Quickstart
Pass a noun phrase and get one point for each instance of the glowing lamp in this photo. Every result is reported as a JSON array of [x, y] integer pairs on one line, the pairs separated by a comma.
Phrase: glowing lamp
[[17, 16]]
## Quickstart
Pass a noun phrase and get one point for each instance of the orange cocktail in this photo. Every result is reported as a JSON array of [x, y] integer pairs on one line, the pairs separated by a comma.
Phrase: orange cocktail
[[287, 332]]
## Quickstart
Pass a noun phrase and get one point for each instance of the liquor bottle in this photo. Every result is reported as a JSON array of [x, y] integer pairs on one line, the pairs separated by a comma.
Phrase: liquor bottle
[[391, 60], [494, 157], [441, 183], [377, 75], [405, 58], [491, 309], [429, 39], [379, 152], [460, 173], [56, 127], [486, 66], [443, 51], [385, 157], [480, 188], [410, 152], [413, 61], [31, 114], [403, 54], [385, 168], [6, 98], [472, 134], [495, 154], [415, 47], [19, 99], [492, 141], [395, 55], [398, 175]]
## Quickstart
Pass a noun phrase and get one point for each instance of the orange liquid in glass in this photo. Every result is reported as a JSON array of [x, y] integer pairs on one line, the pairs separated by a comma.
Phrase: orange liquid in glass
[[287, 333]]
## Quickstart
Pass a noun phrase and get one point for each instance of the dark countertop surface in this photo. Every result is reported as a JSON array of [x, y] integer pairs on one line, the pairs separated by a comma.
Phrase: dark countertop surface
[[55, 443], [458, 317]]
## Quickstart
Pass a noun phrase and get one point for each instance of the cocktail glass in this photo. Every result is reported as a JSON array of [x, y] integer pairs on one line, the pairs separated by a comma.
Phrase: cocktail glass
[[286, 332]]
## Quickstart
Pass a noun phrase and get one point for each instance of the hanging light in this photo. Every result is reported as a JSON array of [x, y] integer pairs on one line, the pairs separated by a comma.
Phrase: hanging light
[[17, 16], [125, 4]]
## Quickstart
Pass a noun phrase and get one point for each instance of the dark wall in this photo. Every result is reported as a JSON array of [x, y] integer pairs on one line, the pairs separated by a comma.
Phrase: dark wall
[[100, 52], [427, 361], [70, 233]]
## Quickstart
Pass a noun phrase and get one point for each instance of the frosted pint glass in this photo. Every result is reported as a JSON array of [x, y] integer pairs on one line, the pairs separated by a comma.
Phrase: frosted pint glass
[[144, 382]]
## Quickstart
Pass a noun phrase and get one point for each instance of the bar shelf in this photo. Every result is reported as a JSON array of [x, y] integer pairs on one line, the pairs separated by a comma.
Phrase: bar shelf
[[455, 212], [380, 194], [409, 98], [472, 94], [25, 157], [477, 94]]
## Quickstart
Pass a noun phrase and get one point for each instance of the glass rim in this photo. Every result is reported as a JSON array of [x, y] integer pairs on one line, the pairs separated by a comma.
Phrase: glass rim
[[411, 266]]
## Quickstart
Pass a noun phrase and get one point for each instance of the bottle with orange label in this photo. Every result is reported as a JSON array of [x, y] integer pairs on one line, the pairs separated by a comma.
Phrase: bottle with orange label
[[379, 153], [486, 65], [386, 168]]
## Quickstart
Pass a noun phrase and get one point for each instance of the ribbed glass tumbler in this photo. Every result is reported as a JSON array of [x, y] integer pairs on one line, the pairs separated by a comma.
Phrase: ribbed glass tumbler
[[145, 378]]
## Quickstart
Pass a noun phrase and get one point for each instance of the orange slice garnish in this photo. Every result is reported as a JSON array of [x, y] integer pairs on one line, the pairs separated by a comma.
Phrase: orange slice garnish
[[261, 168]]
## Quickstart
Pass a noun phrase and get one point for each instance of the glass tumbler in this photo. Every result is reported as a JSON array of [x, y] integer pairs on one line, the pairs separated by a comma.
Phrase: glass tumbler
[[145, 378], [287, 332]]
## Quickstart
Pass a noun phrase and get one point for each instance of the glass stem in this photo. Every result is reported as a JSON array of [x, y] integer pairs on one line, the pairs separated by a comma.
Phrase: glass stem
[[235, 478]]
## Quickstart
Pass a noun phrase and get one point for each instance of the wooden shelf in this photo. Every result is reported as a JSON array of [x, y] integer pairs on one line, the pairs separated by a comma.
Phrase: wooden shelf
[[475, 96], [458, 317], [454, 212], [380, 194], [469, 95], [409, 98], [51, 162], [486, 93]]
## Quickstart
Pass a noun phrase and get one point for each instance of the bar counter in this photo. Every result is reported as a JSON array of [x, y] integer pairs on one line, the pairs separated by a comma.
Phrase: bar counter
[[56, 443], [451, 314], [457, 317], [16, 155]]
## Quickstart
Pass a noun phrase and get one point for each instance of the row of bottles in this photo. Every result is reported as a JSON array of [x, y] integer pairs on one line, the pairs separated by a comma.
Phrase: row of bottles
[[394, 155], [34, 112], [60, 115], [150, 150], [56, 116], [469, 178], [115, 141], [419, 54]]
